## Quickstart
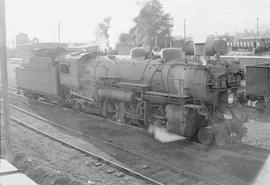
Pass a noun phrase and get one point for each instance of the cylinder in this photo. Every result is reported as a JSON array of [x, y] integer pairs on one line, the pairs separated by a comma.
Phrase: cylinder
[[117, 94]]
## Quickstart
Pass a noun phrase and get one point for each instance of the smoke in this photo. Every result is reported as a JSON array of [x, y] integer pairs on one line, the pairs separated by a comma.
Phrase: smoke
[[162, 135], [102, 42]]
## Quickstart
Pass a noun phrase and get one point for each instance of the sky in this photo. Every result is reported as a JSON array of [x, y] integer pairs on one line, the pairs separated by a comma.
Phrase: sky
[[79, 18]]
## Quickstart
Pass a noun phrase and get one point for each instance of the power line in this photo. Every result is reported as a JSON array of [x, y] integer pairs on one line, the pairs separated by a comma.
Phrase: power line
[[217, 16], [59, 39], [184, 29], [247, 10]]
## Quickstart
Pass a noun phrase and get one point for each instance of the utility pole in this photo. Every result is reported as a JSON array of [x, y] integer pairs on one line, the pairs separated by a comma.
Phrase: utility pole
[[257, 35], [185, 30], [184, 47], [4, 81], [53, 34], [59, 39]]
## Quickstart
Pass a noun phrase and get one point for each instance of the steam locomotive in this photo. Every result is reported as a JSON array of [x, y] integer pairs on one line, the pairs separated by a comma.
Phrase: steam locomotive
[[182, 96]]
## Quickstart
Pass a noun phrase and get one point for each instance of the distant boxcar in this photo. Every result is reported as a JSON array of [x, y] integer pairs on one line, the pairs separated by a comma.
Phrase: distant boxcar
[[258, 80], [258, 86], [247, 60]]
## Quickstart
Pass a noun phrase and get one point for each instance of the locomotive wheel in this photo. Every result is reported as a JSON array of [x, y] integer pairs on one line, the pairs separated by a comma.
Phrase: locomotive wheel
[[188, 127], [74, 106], [25, 93], [120, 115], [205, 137], [260, 107], [61, 103], [77, 106], [141, 124], [80, 107], [33, 96], [48, 99], [109, 109]]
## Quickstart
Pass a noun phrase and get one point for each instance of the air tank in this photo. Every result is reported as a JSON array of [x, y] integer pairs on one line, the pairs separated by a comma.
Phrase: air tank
[[137, 53]]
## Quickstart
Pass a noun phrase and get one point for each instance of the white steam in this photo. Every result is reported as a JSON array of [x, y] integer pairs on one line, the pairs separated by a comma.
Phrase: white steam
[[102, 42], [162, 135]]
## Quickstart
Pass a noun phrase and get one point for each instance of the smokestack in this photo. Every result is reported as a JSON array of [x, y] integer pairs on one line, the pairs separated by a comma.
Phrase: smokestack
[[199, 49], [199, 53]]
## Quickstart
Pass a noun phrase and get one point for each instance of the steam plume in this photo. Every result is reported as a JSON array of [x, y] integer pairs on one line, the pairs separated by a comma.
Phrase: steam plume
[[162, 135]]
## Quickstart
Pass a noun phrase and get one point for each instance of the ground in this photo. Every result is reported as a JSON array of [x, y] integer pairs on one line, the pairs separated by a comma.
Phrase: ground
[[51, 163], [258, 126]]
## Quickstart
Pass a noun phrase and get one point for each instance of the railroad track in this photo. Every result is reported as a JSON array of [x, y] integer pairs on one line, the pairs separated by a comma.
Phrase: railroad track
[[14, 93], [89, 153], [155, 170], [134, 127]]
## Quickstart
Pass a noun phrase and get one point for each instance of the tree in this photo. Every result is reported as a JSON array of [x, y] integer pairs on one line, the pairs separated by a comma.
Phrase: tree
[[35, 40], [22, 38], [226, 36], [125, 38], [102, 33], [265, 33], [103, 27], [245, 33], [152, 22]]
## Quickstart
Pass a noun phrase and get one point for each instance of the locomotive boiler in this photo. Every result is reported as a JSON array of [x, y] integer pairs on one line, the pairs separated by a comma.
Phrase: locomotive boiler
[[168, 91]]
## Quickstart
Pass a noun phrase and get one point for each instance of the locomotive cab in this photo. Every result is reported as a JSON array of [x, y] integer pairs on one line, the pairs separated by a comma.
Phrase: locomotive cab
[[76, 77]]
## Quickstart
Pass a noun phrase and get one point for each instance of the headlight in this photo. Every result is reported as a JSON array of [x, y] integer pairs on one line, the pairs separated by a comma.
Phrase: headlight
[[227, 98], [230, 98]]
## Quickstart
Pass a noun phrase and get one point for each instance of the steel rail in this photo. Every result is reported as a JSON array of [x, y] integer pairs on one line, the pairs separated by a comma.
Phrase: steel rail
[[122, 148], [97, 157], [130, 126], [116, 146]]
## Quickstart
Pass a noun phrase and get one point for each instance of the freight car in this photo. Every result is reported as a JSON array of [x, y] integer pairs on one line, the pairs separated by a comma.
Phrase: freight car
[[257, 45], [257, 87], [168, 91], [246, 60]]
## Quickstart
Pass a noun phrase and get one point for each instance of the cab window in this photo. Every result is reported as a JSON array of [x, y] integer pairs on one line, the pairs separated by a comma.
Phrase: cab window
[[64, 68]]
